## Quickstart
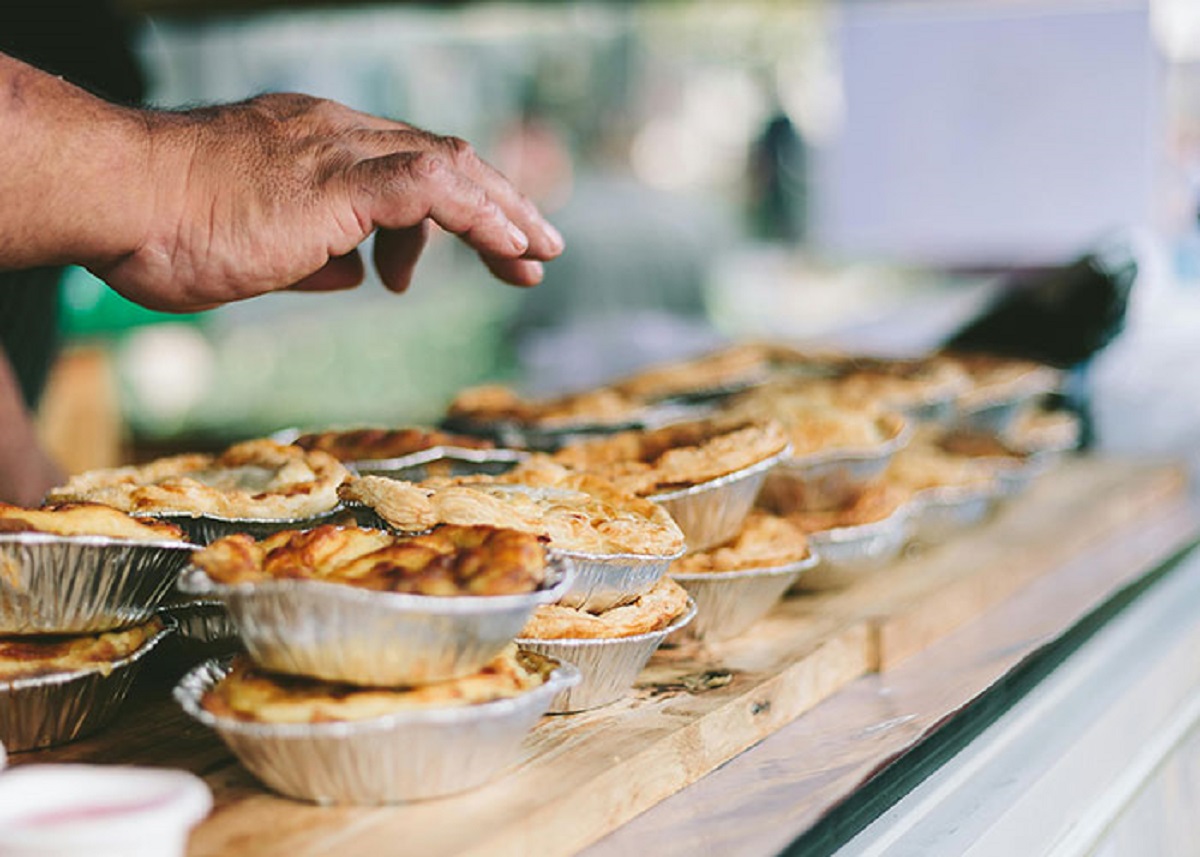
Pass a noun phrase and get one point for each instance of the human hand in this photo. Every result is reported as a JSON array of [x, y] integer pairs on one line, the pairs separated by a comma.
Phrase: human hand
[[279, 191]]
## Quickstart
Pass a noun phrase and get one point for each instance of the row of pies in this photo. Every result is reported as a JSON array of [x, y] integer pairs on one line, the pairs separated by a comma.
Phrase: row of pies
[[296, 540]]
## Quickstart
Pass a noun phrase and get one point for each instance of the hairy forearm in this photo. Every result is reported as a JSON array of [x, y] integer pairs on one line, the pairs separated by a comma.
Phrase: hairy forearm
[[73, 183]]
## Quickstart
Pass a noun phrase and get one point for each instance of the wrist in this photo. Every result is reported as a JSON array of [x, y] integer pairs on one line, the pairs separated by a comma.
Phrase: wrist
[[74, 176]]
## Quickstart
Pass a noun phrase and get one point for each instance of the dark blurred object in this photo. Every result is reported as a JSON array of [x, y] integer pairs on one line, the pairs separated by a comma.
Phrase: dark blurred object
[[778, 181], [88, 43], [1060, 316]]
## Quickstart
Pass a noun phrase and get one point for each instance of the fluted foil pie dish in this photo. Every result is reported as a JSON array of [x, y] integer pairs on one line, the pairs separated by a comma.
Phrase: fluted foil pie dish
[[939, 513], [43, 711], [713, 512], [729, 602], [205, 529], [604, 581], [202, 622], [55, 584], [848, 552], [343, 633], [448, 461], [608, 666], [832, 478], [406, 756]]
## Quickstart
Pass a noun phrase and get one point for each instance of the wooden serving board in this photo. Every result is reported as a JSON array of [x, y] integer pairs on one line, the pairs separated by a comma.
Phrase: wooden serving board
[[694, 708]]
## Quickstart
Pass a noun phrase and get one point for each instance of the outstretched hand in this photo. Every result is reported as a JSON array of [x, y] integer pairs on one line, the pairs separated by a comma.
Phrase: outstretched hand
[[189, 210], [279, 191]]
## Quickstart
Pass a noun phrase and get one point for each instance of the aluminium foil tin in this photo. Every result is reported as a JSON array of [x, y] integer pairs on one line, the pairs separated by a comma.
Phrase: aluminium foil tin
[[848, 552], [205, 529], [604, 581], [343, 633], [939, 513], [406, 756], [713, 512], [47, 710], [729, 602], [53, 584], [833, 478], [446, 461], [608, 666]]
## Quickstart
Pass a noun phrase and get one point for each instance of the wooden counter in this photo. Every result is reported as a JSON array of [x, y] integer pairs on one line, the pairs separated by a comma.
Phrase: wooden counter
[[694, 708]]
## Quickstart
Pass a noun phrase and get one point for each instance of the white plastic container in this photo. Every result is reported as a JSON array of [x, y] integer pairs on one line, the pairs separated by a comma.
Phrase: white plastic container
[[98, 811]]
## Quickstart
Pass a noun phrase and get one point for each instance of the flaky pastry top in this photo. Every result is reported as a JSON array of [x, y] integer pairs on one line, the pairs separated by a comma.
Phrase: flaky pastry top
[[652, 611], [874, 504], [366, 444], [577, 512], [996, 378], [257, 479], [728, 367], [818, 423], [495, 403], [766, 541], [27, 657], [85, 519], [926, 464], [676, 456], [251, 694], [450, 560]]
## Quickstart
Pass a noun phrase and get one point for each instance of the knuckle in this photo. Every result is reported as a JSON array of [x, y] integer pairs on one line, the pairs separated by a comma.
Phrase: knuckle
[[459, 149]]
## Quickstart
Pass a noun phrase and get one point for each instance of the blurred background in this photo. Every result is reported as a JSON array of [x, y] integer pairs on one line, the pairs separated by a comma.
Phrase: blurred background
[[862, 173]]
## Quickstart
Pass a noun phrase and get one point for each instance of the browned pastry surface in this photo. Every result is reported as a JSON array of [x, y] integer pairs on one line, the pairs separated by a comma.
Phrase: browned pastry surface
[[578, 512], [365, 444], [451, 560], [652, 611], [496, 403], [249, 693], [26, 657], [899, 383], [1034, 430], [873, 504], [677, 456], [254, 479], [927, 462], [815, 420], [735, 365], [765, 541], [996, 378], [976, 445], [85, 519]]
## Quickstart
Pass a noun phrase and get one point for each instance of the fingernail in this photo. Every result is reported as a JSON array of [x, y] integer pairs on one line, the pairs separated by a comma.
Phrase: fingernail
[[519, 239], [537, 270], [556, 239]]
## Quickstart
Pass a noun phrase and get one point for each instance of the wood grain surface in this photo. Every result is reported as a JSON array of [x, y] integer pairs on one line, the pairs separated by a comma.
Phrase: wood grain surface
[[583, 776]]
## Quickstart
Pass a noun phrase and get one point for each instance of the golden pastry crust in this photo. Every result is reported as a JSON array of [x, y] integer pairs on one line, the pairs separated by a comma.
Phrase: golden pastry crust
[[576, 511], [674, 457], [996, 378], [28, 657], [816, 421], [766, 541], [1036, 430], [257, 479], [927, 464], [652, 611], [494, 403], [85, 519], [451, 560], [899, 383], [729, 367], [250, 694], [876, 503], [366, 444]]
